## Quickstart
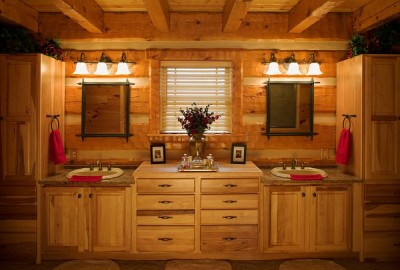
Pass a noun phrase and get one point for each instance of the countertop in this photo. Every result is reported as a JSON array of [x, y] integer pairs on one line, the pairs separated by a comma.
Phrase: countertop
[[335, 175]]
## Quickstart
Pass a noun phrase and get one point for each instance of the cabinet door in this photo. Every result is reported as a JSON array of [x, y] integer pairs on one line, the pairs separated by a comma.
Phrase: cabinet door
[[64, 221], [382, 129], [111, 222], [18, 132], [284, 218], [330, 222]]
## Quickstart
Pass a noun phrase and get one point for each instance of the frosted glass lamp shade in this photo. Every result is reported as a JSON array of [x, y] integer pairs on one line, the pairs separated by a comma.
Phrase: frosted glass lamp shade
[[122, 69], [314, 69], [101, 69], [293, 69], [273, 69], [81, 69]]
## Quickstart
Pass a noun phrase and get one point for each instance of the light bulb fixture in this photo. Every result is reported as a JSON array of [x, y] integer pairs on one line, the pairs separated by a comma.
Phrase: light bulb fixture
[[102, 68], [273, 66], [313, 68], [81, 68], [293, 68], [123, 68]]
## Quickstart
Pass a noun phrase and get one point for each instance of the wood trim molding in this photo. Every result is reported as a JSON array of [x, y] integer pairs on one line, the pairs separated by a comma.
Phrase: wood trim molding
[[18, 12]]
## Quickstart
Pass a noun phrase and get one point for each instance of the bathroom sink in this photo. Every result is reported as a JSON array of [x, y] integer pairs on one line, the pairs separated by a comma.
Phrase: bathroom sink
[[280, 172], [105, 173]]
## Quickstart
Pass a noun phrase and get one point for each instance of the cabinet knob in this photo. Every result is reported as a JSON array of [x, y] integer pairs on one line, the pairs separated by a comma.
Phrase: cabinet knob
[[230, 201], [90, 195], [230, 185], [396, 244], [303, 194], [164, 202], [229, 217], [314, 194], [229, 238], [164, 185], [79, 196], [164, 217], [165, 239]]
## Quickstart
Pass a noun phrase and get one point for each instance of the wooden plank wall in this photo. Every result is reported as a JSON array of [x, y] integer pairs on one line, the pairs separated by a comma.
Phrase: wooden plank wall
[[249, 99]]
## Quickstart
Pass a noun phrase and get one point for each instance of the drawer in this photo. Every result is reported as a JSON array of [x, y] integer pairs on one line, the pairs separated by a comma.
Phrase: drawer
[[156, 185], [382, 193], [165, 202], [165, 217], [382, 217], [382, 245], [165, 238], [230, 201], [224, 217], [230, 185], [229, 238]]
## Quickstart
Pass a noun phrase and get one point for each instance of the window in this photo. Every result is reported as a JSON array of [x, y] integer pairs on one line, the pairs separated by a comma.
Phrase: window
[[184, 82]]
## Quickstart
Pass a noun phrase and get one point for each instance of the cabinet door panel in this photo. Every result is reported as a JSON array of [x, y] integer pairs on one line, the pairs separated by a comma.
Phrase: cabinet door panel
[[329, 218], [63, 218], [110, 222], [285, 216]]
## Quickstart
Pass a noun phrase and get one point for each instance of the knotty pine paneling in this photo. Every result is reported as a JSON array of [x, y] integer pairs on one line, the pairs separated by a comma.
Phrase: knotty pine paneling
[[249, 99]]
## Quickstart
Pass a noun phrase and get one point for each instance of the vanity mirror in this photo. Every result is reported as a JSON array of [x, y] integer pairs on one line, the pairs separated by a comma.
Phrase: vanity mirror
[[105, 109], [290, 108]]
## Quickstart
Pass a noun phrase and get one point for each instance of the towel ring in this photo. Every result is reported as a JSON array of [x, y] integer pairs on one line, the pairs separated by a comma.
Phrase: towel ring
[[344, 121], [54, 117]]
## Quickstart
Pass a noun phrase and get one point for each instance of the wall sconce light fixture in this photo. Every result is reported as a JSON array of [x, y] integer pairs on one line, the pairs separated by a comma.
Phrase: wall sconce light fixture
[[313, 68], [291, 65], [103, 65], [273, 66]]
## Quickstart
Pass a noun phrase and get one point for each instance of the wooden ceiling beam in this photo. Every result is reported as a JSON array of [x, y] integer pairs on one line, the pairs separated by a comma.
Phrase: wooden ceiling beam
[[233, 14], [307, 12], [87, 14], [158, 11], [16, 11], [375, 13]]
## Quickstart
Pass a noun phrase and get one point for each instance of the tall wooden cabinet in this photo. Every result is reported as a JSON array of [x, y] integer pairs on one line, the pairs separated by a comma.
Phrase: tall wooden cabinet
[[368, 86], [31, 87]]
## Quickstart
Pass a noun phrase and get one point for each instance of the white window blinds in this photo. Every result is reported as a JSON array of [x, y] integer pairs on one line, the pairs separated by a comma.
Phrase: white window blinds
[[183, 83]]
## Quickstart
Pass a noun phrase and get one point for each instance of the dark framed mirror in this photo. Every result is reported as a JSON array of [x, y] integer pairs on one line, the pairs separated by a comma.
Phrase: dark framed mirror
[[290, 108], [105, 109]]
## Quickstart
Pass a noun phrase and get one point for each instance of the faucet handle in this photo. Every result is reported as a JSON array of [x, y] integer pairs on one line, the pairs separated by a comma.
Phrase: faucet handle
[[109, 165], [303, 164], [283, 165], [90, 165]]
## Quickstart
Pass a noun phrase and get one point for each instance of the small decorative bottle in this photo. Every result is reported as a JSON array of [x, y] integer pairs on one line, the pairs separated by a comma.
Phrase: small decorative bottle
[[197, 162], [185, 162], [210, 161]]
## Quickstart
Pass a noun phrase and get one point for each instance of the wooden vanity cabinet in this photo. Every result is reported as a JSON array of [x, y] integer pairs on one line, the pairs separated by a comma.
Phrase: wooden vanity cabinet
[[86, 219], [307, 218]]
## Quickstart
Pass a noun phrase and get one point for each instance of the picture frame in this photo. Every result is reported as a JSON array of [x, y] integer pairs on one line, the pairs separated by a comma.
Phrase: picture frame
[[157, 153], [238, 155]]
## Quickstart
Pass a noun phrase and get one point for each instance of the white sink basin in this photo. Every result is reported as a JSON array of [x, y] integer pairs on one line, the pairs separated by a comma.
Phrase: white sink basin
[[280, 172], [105, 173]]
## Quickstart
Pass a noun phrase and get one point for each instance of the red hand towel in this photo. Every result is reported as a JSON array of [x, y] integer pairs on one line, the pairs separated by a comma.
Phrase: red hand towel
[[306, 177], [56, 147], [86, 178], [343, 150]]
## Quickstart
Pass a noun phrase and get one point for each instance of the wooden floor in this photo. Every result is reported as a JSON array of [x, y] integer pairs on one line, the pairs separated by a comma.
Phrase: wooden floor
[[236, 265]]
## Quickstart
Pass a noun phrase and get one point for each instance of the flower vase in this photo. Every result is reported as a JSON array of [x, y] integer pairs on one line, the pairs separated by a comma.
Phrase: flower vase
[[197, 144]]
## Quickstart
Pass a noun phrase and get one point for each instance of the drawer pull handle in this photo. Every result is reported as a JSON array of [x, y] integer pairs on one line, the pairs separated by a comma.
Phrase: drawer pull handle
[[164, 217], [396, 194], [229, 217], [164, 202], [229, 238], [396, 244], [165, 239], [230, 185], [397, 217], [164, 185], [230, 201]]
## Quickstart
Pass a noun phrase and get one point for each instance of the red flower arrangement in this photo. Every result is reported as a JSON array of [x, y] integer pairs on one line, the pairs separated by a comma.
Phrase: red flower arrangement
[[197, 120]]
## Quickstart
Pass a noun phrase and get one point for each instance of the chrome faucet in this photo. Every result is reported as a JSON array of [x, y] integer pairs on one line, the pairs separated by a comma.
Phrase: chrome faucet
[[99, 165], [294, 163]]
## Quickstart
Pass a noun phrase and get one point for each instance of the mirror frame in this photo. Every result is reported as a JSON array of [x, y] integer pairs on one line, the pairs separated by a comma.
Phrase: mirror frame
[[126, 134], [310, 132]]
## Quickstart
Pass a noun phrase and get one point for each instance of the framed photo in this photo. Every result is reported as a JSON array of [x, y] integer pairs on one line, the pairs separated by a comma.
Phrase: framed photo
[[238, 153], [157, 153]]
